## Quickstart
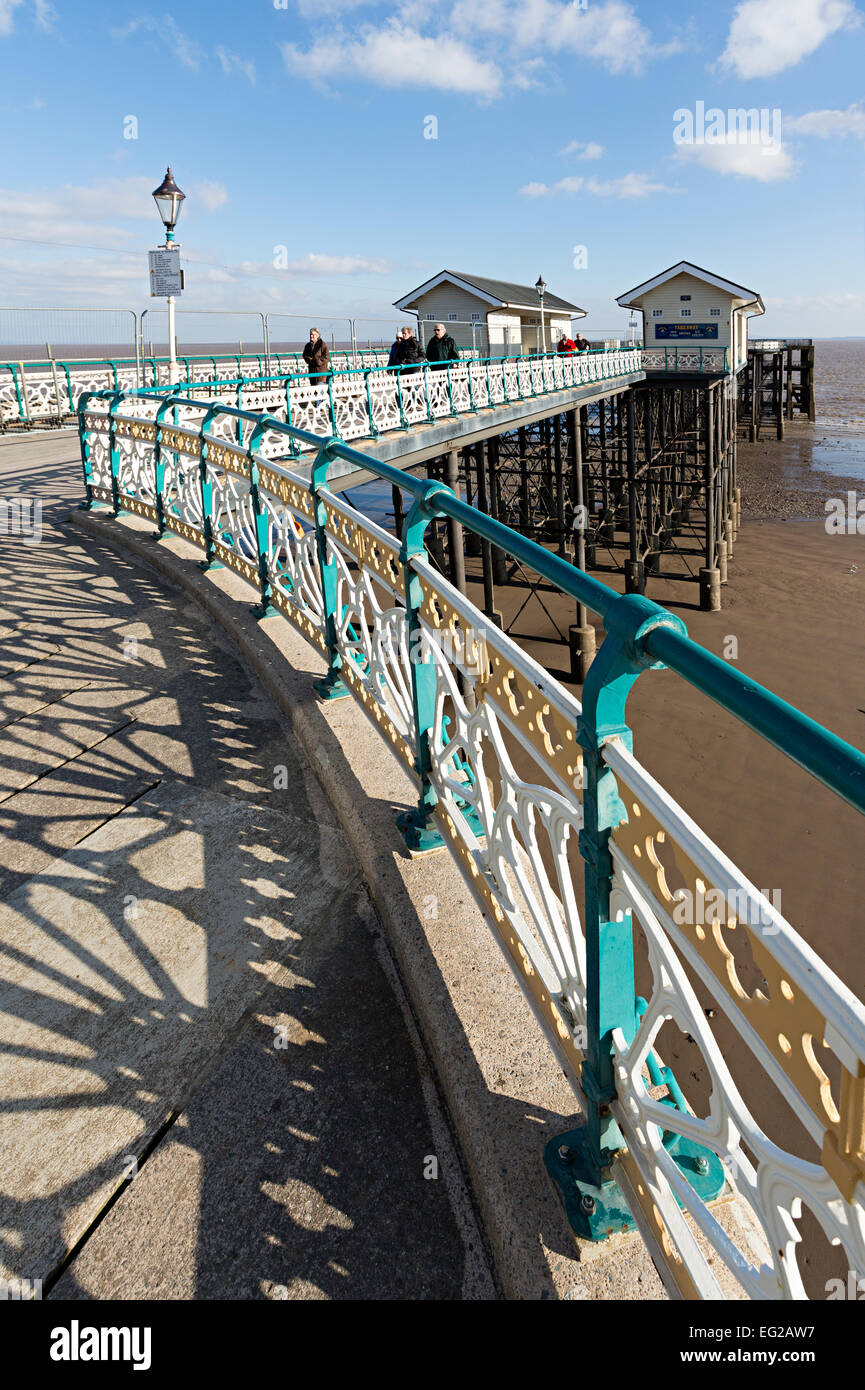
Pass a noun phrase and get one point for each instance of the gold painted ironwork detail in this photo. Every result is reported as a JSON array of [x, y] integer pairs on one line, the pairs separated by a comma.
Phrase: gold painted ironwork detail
[[221, 455], [370, 550], [550, 733], [785, 1019], [181, 440], [291, 494], [674, 1263]]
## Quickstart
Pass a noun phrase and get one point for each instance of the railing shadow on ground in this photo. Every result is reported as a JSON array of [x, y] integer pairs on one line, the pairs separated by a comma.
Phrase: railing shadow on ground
[[92, 970]]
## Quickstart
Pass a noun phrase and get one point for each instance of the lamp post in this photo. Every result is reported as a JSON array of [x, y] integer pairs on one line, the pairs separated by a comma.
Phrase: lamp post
[[541, 286], [169, 202]]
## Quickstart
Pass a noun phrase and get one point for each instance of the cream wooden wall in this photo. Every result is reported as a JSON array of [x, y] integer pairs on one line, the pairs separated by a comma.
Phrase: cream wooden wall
[[703, 298]]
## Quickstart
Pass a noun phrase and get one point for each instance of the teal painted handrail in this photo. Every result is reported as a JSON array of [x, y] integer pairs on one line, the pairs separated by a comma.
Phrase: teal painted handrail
[[834, 763], [10, 366]]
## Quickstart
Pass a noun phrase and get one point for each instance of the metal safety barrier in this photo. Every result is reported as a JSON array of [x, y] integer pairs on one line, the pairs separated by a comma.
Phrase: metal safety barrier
[[568, 845]]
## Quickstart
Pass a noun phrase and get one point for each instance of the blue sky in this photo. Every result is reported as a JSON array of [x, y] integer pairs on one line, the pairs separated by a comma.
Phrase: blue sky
[[300, 124]]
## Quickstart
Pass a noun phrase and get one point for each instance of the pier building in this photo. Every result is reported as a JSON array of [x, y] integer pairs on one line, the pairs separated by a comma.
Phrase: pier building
[[688, 311], [509, 316]]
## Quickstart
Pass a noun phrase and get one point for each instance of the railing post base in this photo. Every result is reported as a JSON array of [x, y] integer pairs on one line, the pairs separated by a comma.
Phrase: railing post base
[[264, 610], [330, 687], [420, 836], [597, 1212], [207, 565]]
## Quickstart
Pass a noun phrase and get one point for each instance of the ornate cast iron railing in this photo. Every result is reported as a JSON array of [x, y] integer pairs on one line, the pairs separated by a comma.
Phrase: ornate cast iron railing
[[366, 403], [360, 386], [687, 359], [37, 391], [570, 848]]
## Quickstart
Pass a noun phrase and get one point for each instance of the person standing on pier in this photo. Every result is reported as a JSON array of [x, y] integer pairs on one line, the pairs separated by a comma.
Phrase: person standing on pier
[[408, 351], [566, 344], [409, 355], [316, 355], [441, 348]]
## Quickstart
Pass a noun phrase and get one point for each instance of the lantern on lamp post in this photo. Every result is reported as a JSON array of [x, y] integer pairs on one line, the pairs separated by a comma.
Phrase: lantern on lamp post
[[169, 200], [541, 287]]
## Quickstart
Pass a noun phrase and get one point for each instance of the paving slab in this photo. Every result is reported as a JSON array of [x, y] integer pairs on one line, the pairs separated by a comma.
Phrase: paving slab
[[37, 744], [300, 1163]]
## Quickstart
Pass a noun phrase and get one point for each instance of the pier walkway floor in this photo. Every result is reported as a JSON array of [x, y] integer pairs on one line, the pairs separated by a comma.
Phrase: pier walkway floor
[[208, 1087]]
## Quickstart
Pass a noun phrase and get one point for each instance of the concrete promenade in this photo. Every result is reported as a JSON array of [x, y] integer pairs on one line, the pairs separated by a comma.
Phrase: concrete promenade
[[198, 1023]]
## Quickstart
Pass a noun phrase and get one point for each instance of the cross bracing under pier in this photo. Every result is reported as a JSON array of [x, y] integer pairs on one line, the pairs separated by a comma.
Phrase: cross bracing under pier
[[640, 481]]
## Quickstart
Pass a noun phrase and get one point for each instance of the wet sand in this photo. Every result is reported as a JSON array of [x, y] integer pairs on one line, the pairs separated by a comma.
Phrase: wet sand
[[791, 479]]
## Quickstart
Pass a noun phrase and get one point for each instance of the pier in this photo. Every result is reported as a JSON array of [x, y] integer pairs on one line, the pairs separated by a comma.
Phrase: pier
[[527, 815]]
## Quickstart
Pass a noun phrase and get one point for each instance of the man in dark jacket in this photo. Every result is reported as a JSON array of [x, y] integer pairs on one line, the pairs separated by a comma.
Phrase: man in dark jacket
[[566, 344], [441, 348], [316, 355]]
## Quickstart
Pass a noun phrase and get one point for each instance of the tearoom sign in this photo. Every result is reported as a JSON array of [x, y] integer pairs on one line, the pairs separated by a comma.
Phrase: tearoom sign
[[686, 330]]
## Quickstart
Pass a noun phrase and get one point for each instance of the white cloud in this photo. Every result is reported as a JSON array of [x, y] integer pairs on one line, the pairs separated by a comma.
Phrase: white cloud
[[44, 15], [609, 32], [828, 125], [528, 75], [583, 151], [211, 195], [767, 36], [315, 263], [470, 45], [76, 213], [7, 11], [89, 214], [229, 62], [765, 163], [628, 186], [535, 190], [396, 56], [187, 52]]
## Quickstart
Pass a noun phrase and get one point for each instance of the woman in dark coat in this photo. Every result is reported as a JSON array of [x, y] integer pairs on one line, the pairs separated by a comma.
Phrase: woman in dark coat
[[408, 352], [316, 355], [409, 355]]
